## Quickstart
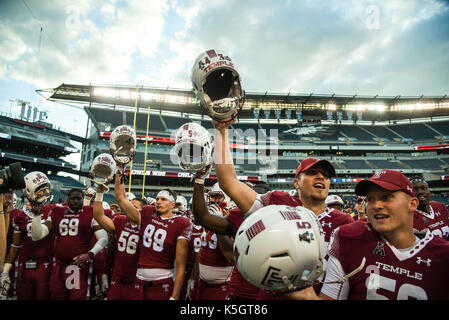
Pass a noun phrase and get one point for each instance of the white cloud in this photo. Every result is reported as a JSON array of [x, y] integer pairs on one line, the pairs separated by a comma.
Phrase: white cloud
[[340, 46], [76, 50], [108, 11]]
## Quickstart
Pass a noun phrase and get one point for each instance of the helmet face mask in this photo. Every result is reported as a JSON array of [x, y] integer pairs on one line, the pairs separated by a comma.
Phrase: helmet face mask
[[280, 247], [122, 144], [102, 169], [217, 85], [193, 147]]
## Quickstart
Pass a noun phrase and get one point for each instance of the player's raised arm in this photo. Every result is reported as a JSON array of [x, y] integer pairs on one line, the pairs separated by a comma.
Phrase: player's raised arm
[[203, 217], [240, 193], [120, 195], [98, 211], [217, 85]]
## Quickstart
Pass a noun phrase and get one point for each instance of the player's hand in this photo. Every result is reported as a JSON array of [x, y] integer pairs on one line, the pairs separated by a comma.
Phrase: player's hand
[[83, 259], [204, 173], [304, 294], [36, 208], [104, 284], [5, 283], [89, 193], [102, 188], [190, 287], [225, 123], [119, 168]]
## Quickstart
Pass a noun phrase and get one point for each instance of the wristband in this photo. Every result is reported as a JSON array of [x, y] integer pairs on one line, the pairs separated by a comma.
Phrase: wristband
[[199, 181], [99, 197]]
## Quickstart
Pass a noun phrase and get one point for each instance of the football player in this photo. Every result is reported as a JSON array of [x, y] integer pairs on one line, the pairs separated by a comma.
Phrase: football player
[[397, 263], [334, 201], [189, 285], [312, 181], [101, 261], [73, 227], [35, 257], [216, 258], [430, 214], [126, 238], [238, 288], [163, 241], [360, 209]]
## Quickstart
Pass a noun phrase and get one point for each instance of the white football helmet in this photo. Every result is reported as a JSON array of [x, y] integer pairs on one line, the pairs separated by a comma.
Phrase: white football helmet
[[216, 190], [193, 147], [37, 187], [131, 196], [102, 169], [334, 199], [280, 248], [180, 205], [230, 205], [106, 205], [122, 144], [217, 84]]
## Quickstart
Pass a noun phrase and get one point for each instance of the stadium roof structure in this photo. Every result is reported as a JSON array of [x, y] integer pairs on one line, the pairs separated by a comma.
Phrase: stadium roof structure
[[303, 107]]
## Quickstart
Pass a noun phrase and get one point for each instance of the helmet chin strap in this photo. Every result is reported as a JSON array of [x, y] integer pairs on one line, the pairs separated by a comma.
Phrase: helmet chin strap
[[102, 184], [349, 275]]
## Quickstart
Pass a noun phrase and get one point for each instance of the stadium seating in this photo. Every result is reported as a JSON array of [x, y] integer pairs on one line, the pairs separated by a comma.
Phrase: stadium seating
[[441, 127], [67, 182], [381, 132], [354, 132], [356, 164], [423, 163], [416, 131], [174, 123]]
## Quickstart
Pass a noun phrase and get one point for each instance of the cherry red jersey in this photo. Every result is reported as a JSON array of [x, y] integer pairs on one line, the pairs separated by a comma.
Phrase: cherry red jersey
[[194, 244], [126, 247], [158, 237], [73, 231], [437, 220], [210, 254], [32, 250], [279, 197], [419, 272], [331, 219], [238, 286]]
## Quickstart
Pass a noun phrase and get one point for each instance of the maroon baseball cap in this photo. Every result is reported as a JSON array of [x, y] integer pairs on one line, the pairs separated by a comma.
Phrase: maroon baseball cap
[[308, 163], [390, 180]]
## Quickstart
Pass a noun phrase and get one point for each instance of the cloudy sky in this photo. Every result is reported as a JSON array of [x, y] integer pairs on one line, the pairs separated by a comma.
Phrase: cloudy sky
[[373, 47]]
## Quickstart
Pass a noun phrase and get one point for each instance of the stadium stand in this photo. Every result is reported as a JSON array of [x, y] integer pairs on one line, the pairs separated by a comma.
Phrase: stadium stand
[[357, 147]]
